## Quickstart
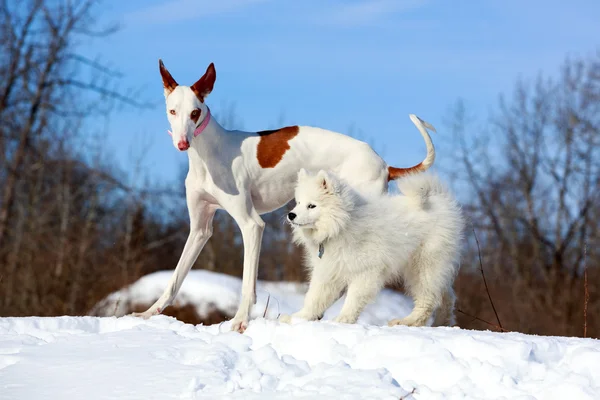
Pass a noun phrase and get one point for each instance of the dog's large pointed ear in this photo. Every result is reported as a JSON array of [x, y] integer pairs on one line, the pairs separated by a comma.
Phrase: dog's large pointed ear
[[168, 82], [302, 174], [204, 85]]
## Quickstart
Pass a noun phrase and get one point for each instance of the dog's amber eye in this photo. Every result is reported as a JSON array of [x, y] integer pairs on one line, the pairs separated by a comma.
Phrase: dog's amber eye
[[310, 206], [195, 113], [172, 112]]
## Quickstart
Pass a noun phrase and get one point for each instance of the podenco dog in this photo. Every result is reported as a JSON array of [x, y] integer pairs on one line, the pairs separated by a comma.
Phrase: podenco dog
[[252, 173]]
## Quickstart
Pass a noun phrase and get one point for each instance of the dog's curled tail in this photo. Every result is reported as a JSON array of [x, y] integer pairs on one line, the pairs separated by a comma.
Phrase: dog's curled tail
[[422, 126], [421, 187]]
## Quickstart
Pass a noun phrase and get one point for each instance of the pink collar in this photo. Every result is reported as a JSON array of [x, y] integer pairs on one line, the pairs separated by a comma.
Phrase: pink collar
[[203, 124]]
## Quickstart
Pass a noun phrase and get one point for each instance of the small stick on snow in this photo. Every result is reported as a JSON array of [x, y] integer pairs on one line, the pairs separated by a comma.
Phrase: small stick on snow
[[408, 394], [482, 320], [586, 293], [484, 281], [116, 306], [278, 310], [267, 306]]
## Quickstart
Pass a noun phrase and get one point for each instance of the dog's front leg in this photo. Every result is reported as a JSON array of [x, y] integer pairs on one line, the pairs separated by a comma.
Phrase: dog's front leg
[[252, 227], [322, 293], [201, 217]]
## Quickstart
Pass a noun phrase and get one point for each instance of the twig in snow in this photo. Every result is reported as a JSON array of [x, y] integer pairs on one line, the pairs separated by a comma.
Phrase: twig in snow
[[408, 394], [484, 281], [586, 293], [267, 306], [482, 320], [278, 310], [116, 306]]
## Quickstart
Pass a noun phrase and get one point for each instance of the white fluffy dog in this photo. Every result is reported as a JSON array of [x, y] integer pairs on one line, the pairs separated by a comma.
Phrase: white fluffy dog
[[359, 244]]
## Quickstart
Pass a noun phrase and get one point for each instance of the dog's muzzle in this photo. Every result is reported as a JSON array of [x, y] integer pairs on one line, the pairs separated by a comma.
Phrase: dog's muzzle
[[183, 145]]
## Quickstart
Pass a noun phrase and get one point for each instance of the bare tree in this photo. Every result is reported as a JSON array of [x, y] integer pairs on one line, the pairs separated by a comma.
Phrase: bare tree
[[41, 84], [534, 184], [49, 203]]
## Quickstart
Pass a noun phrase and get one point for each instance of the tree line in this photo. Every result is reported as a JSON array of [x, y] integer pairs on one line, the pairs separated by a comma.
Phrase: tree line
[[74, 228]]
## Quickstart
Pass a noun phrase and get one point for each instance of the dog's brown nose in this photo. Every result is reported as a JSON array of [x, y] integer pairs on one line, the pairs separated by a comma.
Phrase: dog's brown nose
[[183, 145], [291, 216]]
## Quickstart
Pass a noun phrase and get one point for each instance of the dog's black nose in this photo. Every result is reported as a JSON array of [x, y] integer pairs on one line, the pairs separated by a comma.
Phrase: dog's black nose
[[291, 216]]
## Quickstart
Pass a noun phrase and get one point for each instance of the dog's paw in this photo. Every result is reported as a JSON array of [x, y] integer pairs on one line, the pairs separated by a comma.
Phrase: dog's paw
[[285, 318], [239, 324], [394, 322], [345, 319], [406, 322], [298, 316]]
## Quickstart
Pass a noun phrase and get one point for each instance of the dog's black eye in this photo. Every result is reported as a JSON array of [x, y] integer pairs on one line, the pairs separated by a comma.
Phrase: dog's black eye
[[310, 206]]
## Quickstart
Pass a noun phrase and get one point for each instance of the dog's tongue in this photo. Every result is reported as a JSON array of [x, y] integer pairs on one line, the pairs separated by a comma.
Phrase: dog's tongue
[[169, 132]]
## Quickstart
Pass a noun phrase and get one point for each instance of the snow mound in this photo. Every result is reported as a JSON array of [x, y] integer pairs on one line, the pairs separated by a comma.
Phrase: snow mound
[[207, 291], [162, 358]]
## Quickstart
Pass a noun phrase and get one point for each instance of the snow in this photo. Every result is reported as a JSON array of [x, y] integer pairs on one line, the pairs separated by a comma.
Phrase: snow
[[162, 358], [208, 290]]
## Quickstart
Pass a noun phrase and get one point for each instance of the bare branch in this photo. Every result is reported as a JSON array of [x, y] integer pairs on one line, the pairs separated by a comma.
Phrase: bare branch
[[94, 65], [482, 320], [485, 282], [586, 294]]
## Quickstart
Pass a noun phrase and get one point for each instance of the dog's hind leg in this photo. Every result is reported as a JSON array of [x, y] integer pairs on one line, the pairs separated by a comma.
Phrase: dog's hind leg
[[426, 295], [428, 278], [420, 314], [425, 286], [444, 315], [362, 290]]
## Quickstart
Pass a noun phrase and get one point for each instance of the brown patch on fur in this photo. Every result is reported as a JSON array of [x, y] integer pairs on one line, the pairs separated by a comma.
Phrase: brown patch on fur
[[395, 173], [168, 82], [273, 145], [195, 115], [204, 85]]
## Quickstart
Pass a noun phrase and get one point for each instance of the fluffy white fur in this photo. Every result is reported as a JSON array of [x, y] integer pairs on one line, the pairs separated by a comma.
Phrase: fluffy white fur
[[366, 243]]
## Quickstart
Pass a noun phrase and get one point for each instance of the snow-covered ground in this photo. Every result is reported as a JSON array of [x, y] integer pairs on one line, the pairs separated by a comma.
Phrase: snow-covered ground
[[207, 291], [162, 358]]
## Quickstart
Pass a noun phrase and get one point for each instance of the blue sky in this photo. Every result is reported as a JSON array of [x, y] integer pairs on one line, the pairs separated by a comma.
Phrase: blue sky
[[334, 64]]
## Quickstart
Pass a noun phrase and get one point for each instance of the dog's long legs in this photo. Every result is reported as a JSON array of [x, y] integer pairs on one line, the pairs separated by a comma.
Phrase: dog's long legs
[[362, 290], [201, 217], [252, 227]]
